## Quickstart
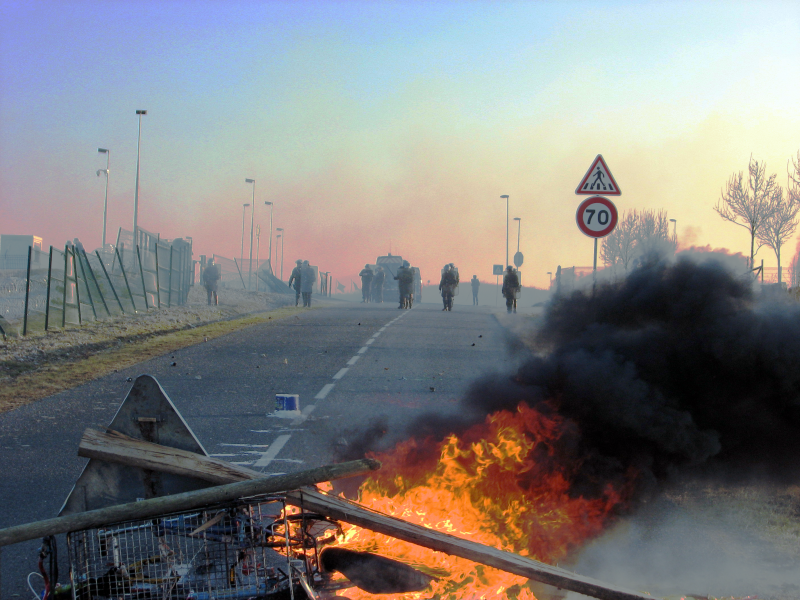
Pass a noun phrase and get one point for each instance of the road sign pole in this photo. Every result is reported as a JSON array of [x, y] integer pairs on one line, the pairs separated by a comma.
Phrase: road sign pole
[[595, 255]]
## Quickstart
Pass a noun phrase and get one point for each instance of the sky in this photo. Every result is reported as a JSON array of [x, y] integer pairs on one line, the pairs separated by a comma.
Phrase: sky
[[389, 125]]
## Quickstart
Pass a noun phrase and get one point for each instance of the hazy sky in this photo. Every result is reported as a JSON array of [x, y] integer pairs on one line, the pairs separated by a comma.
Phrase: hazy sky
[[370, 123]]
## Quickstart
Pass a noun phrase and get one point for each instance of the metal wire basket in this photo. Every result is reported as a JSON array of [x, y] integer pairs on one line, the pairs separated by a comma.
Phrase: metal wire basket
[[250, 550]]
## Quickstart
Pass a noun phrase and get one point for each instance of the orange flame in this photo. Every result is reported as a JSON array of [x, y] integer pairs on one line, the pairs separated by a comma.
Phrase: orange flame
[[505, 483]]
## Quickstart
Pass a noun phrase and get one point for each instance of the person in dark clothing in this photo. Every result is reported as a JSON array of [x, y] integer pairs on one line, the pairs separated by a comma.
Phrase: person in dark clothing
[[377, 285], [448, 285], [405, 284], [510, 288], [308, 278], [211, 277], [475, 286], [366, 283], [296, 278]]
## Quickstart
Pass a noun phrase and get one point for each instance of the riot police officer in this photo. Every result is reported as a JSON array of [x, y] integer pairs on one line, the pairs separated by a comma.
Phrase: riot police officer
[[297, 278], [511, 288]]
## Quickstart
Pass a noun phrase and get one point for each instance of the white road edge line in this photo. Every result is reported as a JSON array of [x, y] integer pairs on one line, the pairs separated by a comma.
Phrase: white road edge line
[[323, 393], [273, 450], [362, 350], [341, 373], [353, 360]]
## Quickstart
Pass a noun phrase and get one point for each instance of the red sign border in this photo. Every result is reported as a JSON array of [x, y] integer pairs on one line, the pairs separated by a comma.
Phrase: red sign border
[[597, 234], [588, 174]]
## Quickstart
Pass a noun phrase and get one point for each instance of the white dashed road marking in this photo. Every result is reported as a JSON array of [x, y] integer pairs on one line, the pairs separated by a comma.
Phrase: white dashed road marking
[[341, 373], [363, 349], [326, 389], [353, 360], [276, 446]]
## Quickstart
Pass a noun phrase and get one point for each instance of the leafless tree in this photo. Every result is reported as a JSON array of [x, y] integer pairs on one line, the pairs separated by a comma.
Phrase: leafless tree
[[748, 203], [781, 223], [652, 232], [793, 169], [618, 246]]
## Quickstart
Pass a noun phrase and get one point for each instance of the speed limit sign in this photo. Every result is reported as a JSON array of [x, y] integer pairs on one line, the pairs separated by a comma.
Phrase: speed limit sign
[[596, 216]]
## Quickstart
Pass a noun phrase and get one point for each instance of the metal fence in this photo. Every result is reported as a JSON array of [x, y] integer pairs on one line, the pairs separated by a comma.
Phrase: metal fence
[[72, 286]]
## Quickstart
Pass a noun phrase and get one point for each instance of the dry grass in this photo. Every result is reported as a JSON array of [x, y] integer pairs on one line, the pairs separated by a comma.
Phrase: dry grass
[[27, 381]]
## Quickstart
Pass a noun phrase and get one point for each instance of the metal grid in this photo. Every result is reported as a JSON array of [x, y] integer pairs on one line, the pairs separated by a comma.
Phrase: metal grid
[[249, 550]]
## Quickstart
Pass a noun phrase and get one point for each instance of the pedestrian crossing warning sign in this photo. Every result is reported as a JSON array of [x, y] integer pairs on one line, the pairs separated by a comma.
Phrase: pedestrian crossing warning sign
[[598, 180]]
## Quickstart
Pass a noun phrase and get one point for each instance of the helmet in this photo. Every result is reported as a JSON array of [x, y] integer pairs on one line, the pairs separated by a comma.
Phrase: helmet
[[406, 263], [299, 261], [509, 268], [305, 262]]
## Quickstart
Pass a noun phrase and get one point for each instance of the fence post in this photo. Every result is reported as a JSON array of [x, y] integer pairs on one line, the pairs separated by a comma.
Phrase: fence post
[[141, 274], [96, 285], [77, 287], [169, 296], [125, 276], [158, 276], [47, 300], [64, 297], [240, 272], [102, 266], [27, 293], [77, 254]]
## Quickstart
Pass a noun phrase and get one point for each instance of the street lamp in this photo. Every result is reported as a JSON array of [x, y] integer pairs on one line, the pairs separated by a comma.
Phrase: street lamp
[[276, 250], [519, 227], [252, 216], [674, 228], [506, 197], [258, 251], [136, 193], [270, 235], [244, 210], [551, 277], [107, 152]]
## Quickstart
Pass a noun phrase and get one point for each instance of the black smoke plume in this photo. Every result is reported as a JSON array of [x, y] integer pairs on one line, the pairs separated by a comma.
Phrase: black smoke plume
[[680, 365]]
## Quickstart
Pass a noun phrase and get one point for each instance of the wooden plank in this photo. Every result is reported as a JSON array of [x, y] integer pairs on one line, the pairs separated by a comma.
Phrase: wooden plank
[[350, 512], [113, 446], [199, 499]]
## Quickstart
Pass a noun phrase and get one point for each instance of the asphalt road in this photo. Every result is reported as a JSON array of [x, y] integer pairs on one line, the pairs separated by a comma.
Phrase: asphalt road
[[350, 363]]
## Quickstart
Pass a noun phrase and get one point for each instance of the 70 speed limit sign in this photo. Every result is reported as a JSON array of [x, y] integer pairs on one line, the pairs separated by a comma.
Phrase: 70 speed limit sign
[[596, 216]]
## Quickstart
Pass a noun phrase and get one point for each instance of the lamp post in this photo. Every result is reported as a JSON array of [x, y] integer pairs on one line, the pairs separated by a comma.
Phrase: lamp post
[[252, 216], [276, 250], [551, 278], [270, 235], [107, 152], [244, 211], [278, 237], [506, 197], [674, 228], [519, 227], [136, 192], [258, 251]]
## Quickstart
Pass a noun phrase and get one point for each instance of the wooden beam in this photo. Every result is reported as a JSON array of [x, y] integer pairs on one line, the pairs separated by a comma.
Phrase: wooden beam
[[199, 499], [113, 446], [350, 512]]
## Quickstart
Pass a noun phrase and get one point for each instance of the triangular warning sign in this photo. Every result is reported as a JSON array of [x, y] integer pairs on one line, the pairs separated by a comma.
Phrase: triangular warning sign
[[598, 180], [146, 414]]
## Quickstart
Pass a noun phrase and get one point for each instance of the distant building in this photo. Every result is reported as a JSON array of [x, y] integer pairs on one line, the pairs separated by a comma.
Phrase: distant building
[[14, 250]]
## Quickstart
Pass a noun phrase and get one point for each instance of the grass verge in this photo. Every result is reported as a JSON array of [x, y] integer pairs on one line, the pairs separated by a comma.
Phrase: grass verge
[[26, 386]]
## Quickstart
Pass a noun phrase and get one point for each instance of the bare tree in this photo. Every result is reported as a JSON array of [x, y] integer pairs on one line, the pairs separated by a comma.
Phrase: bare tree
[[793, 170], [748, 204], [652, 232], [618, 246], [781, 223]]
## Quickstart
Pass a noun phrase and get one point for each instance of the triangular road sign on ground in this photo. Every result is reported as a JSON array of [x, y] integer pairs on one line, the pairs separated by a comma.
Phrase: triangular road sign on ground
[[146, 414], [598, 180]]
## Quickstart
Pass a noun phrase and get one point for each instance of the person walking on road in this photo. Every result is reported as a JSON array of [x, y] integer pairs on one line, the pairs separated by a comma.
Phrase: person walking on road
[[307, 280], [405, 284], [448, 285], [366, 283], [475, 286], [511, 288], [377, 285], [296, 278], [211, 277]]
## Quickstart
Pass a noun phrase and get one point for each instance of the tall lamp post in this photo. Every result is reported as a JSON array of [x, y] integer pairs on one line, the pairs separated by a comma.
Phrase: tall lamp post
[[270, 236], [519, 227], [276, 250], [674, 229], [551, 278], [107, 152], [252, 216], [258, 251], [244, 212], [506, 197], [136, 192], [278, 237]]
